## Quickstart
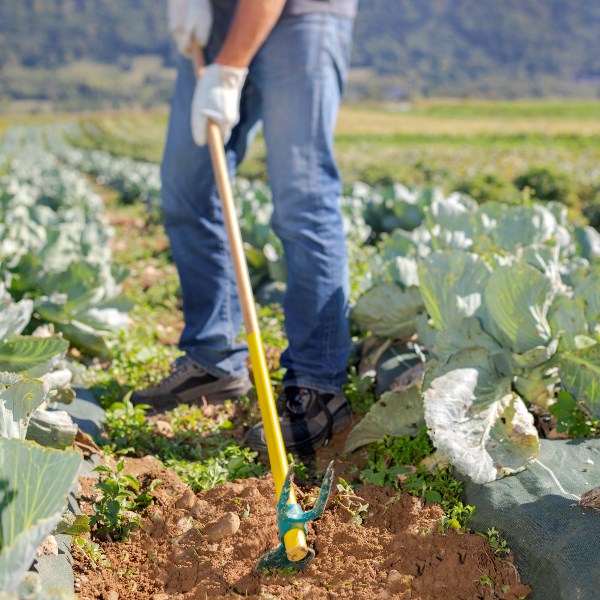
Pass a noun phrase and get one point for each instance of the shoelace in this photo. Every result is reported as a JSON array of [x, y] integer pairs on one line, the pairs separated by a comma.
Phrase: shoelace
[[299, 401], [177, 370]]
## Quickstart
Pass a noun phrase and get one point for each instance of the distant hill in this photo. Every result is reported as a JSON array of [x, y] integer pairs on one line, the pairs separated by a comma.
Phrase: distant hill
[[405, 48]]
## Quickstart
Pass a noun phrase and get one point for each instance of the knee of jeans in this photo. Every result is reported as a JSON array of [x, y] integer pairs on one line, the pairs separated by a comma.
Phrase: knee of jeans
[[309, 215]]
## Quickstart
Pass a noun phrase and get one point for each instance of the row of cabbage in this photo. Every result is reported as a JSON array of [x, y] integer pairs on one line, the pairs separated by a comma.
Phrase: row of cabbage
[[502, 301], [57, 284], [367, 212]]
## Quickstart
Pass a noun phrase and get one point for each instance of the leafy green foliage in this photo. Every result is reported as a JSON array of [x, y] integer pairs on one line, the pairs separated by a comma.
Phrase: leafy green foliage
[[197, 451], [127, 429], [545, 184], [271, 323], [227, 464], [456, 517], [571, 419], [19, 397], [497, 544], [72, 524], [396, 462], [91, 551], [360, 392], [114, 513], [394, 414], [139, 361]]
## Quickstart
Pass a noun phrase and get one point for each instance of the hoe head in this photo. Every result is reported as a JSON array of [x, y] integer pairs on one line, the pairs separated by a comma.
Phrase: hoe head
[[291, 516]]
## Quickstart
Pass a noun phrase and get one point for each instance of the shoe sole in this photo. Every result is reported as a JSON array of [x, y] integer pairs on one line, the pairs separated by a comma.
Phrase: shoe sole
[[161, 403], [232, 393]]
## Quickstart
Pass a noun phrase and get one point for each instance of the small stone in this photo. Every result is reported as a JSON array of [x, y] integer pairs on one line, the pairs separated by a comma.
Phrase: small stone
[[111, 595], [186, 500], [160, 596], [192, 536], [236, 489], [227, 525], [49, 547], [184, 524], [394, 582], [199, 509]]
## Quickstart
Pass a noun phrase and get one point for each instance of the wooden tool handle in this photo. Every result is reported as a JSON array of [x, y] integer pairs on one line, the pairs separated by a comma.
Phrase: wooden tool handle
[[295, 540]]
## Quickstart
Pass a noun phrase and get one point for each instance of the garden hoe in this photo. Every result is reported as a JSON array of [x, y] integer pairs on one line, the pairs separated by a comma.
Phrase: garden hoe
[[293, 551]]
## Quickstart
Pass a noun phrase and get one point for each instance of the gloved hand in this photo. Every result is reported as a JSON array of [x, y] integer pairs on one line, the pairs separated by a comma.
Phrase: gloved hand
[[217, 97], [187, 19]]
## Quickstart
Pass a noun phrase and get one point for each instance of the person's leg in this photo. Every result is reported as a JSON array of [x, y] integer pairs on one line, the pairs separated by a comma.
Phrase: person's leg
[[301, 70], [194, 223]]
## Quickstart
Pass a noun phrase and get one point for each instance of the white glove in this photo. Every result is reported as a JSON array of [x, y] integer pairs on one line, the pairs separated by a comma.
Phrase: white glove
[[217, 97], [187, 19]]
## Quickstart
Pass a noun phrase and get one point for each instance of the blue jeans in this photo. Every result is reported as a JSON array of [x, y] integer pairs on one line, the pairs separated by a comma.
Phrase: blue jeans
[[294, 87]]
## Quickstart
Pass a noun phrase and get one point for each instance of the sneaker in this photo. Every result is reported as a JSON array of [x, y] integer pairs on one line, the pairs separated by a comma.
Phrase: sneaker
[[189, 382], [308, 419]]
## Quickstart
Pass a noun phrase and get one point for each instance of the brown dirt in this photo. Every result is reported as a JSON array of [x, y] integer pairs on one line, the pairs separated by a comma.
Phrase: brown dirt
[[396, 553]]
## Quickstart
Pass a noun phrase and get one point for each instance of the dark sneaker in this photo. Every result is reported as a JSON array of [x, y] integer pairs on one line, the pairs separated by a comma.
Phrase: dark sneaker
[[189, 382], [308, 419]]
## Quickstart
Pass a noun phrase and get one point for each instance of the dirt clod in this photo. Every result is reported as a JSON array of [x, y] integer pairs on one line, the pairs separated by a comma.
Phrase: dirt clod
[[186, 501], [227, 525], [395, 582]]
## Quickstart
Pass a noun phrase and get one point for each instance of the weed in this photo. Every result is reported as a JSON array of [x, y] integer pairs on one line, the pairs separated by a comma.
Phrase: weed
[[228, 463], [456, 517], [497, 544], [360, 392], [300, 469], [486, 580], [570, 418], [114, 513], [396, 462], [92, 552], [349, 501], [127, 429], [190, 419]]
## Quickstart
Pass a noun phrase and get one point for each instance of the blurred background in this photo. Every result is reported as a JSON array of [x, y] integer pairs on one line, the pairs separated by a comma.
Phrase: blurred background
[[90, 54]]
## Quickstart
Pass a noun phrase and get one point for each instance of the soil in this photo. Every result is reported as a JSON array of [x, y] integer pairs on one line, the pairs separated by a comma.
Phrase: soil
[[196, 546]]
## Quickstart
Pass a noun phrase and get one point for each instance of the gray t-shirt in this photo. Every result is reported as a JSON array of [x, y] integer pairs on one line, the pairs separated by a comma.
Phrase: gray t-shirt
[[338, 7], [299, 7]]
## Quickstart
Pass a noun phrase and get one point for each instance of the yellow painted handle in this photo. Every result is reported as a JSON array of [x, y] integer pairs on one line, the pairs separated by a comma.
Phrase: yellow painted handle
[[294, 540]]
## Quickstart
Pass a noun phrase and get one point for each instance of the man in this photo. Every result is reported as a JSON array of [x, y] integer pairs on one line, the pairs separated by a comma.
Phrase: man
[[282, 63]]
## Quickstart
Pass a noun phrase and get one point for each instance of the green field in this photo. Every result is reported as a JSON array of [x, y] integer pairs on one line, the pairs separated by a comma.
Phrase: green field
[[479, 147]]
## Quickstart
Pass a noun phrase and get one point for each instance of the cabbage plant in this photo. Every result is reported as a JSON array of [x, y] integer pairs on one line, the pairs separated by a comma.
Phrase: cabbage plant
[[511, 296], [34, 483]]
